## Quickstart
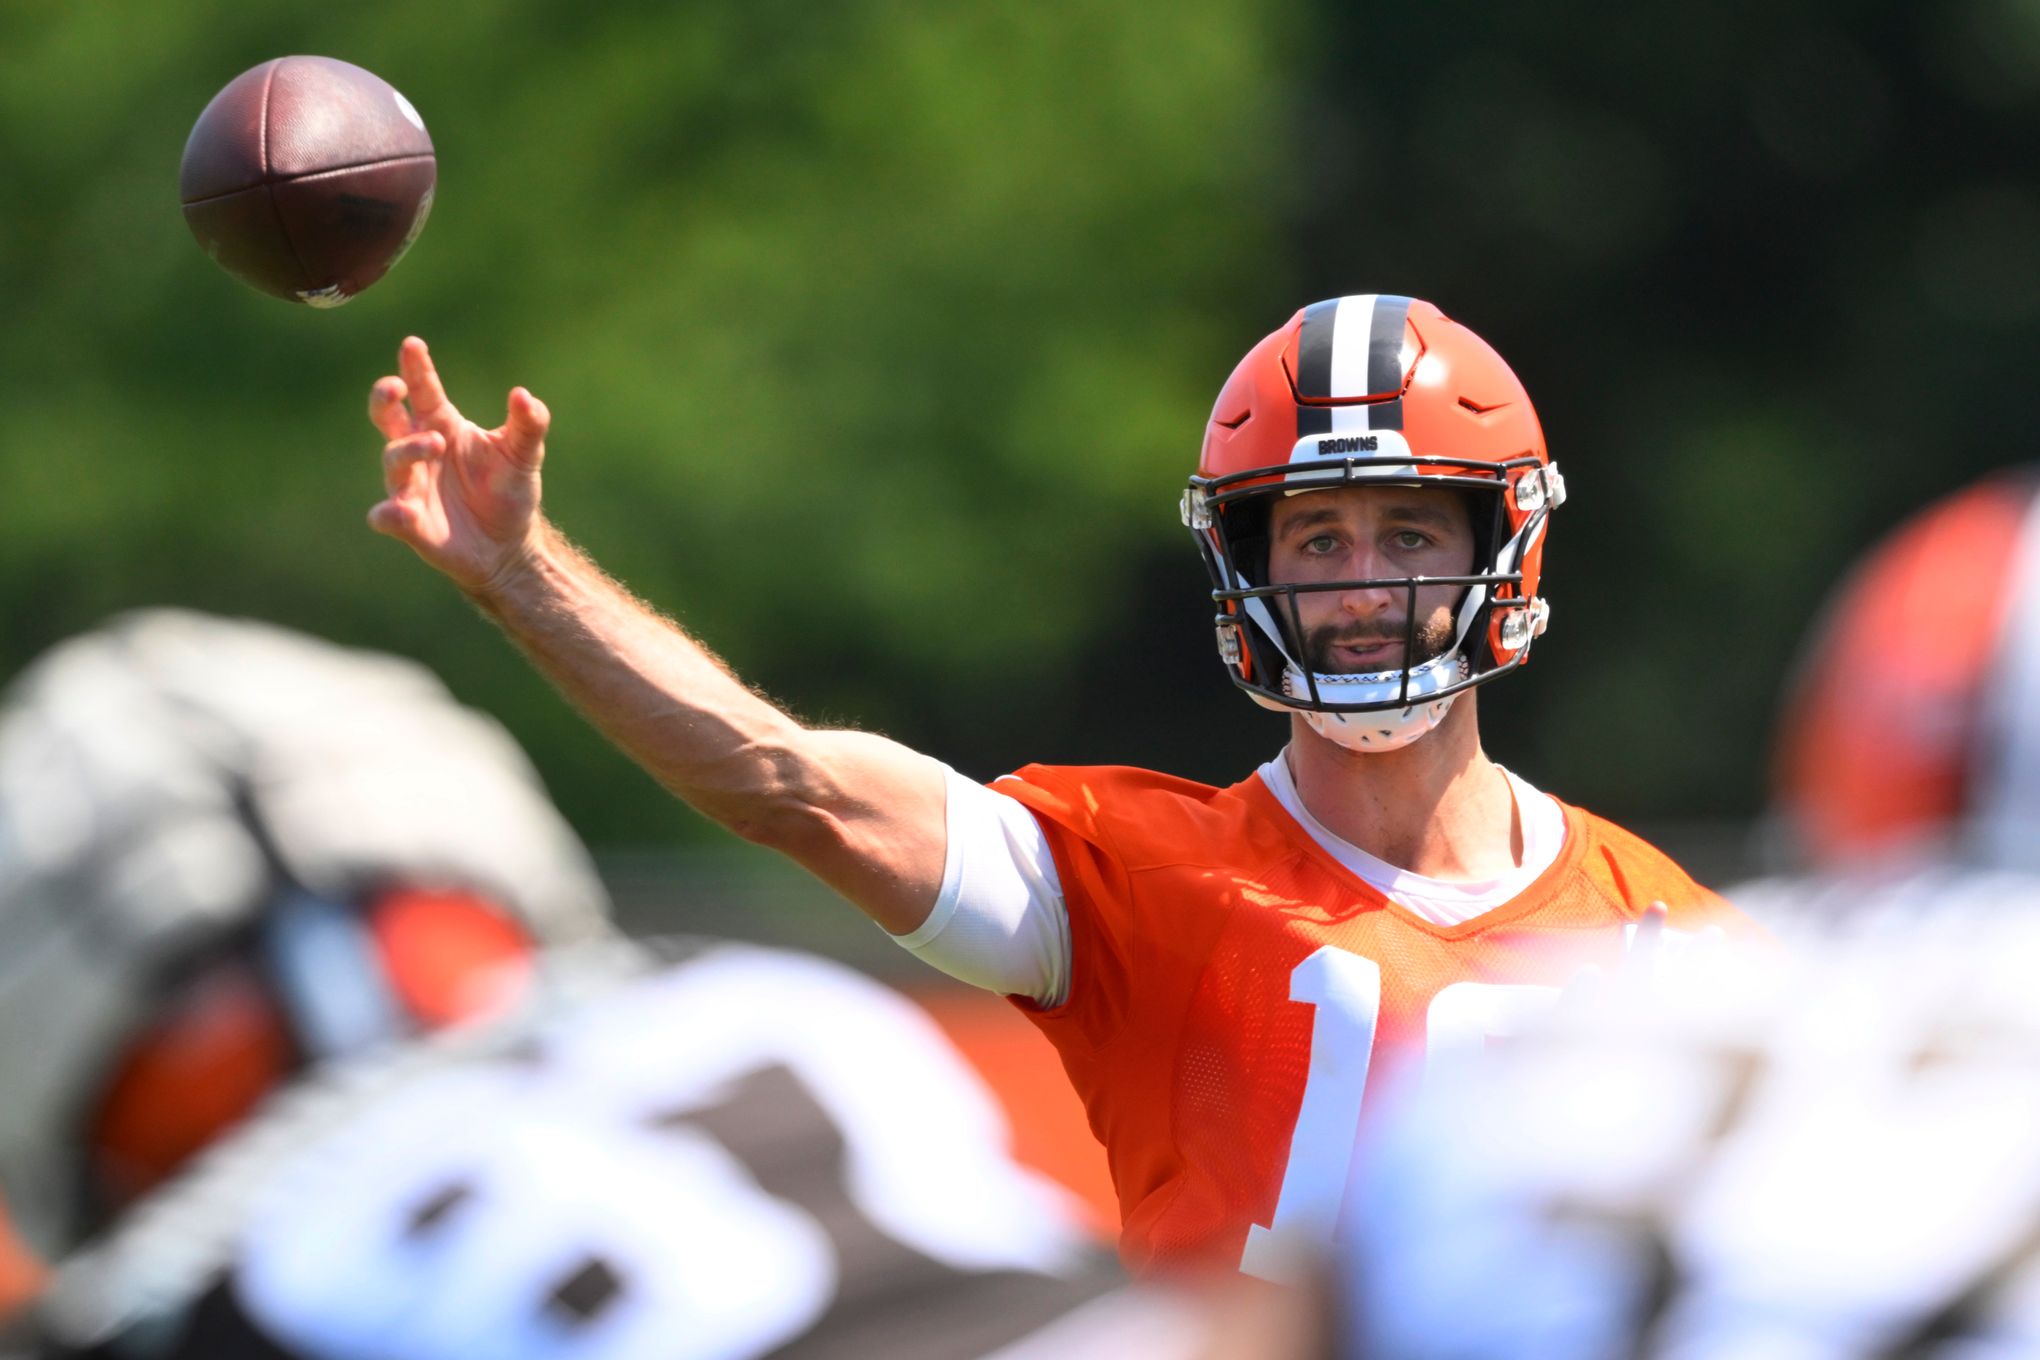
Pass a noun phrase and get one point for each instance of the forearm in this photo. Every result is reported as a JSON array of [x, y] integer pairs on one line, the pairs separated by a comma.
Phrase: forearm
[[659, 695], [863, 813]]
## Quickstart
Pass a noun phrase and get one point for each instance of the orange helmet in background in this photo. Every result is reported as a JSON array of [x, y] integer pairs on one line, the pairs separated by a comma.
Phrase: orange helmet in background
[[1373, 389], [1914, 722]]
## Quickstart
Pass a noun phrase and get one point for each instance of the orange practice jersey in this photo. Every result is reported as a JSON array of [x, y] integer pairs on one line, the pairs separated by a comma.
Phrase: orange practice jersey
[[1236, 994]]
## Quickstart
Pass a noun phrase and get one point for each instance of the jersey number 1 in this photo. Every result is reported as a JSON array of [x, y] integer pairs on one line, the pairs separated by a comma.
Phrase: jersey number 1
[[1344, 989]]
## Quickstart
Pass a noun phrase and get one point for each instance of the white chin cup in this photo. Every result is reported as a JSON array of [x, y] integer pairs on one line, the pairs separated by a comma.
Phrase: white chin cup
[[1383, 729]]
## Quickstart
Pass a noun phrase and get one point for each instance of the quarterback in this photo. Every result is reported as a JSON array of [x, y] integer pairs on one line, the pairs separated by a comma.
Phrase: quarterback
[[1226, 973]]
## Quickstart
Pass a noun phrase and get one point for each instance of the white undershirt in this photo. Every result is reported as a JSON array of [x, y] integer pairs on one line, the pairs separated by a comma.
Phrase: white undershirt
[[1000, 922], [1441, 901]]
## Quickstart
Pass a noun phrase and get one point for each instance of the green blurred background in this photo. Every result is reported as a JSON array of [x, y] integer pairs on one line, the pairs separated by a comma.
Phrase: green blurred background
[[880, 335]]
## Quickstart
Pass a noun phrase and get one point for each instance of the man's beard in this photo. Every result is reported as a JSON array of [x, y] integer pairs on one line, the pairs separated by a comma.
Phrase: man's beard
[[1433, 637]]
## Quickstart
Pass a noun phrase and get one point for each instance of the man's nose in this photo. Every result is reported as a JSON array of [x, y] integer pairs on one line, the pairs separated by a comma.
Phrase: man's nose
[[1366, 564], [1369, 602]]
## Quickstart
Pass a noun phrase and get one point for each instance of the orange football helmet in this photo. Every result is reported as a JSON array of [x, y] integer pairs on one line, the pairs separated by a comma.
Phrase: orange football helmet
[[1914, 720], [1373, 390]]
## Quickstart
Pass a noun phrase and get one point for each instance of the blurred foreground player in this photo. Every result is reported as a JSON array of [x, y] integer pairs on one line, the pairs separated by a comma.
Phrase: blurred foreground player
[[1835, 1157], [227, 853], [724, 1152], [1841, 1159], [302, 1087], [1225, 972]]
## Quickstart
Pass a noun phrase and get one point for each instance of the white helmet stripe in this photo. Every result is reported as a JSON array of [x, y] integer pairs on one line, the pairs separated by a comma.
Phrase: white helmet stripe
[[1354, 347], [1355, 419], [2005, 796], [1352, 332]]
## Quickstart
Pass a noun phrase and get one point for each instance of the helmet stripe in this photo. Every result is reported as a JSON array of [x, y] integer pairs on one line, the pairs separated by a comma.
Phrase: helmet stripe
[[2005, 795], [1314, 366], [1351, 335], [1385, 345], [1314, 343], [1350, 419], [1385, 359], [1349, 348]]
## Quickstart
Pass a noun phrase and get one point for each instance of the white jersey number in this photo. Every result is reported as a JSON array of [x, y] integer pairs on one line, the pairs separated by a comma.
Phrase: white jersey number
[[1345, 991]]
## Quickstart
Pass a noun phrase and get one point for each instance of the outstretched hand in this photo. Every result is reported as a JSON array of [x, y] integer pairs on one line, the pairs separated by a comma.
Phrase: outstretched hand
[[464, 498]]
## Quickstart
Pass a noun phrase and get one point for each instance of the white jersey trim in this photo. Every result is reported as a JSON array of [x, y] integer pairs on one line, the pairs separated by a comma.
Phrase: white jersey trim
[[1441, 901], [999, 921]]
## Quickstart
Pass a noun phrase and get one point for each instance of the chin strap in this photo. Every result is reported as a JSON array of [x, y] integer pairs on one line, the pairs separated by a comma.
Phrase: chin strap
[[1372, 733], [1388, 729]]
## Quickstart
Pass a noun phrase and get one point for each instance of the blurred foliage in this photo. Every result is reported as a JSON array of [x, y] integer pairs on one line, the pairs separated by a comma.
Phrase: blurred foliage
[[1772, 274], [875, 330], [880, 334]]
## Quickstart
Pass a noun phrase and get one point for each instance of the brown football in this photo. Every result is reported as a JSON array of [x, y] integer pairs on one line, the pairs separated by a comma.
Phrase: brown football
[[307, 178]]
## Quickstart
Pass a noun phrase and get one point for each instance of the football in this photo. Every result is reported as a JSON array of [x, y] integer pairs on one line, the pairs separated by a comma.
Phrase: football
[[307, 178]]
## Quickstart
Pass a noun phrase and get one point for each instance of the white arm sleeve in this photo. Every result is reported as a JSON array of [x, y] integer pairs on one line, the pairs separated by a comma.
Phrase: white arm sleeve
[[999, 921]]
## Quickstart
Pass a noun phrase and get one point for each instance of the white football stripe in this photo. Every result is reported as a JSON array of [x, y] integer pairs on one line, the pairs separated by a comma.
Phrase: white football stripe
[[1348, 419], [1352, 327], [2007, 798]]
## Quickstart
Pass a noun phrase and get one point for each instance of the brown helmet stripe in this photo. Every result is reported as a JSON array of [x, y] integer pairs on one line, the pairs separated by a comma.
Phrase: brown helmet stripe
[[1384, 359]]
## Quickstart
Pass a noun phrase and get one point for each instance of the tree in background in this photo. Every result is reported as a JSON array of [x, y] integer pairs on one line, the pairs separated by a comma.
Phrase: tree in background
[[1773, 277], [879, 333], [880, 336]]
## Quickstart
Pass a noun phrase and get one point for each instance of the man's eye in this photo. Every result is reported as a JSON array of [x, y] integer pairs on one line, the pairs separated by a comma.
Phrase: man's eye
[[1409, 540], [1323, 543]]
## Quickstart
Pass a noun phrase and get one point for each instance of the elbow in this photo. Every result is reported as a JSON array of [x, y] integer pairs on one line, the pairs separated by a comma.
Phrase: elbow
[[803, 830], [783, 808]]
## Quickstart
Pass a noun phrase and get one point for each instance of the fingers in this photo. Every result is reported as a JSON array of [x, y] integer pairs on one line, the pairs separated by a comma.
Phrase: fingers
[[394, 518], [386, 409], [524, 430], [402, 456], [428, 398]]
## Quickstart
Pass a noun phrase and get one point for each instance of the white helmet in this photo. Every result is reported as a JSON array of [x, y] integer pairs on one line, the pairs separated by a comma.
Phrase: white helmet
[[164, 782]]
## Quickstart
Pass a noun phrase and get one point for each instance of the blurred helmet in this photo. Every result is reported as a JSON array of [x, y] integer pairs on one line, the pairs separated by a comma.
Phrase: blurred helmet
[[1914, 721], [227, 851], [1373, 390]]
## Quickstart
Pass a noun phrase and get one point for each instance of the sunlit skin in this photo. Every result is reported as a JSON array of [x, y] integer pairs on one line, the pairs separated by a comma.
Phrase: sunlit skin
[[1370, 533], [1438, 806]]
